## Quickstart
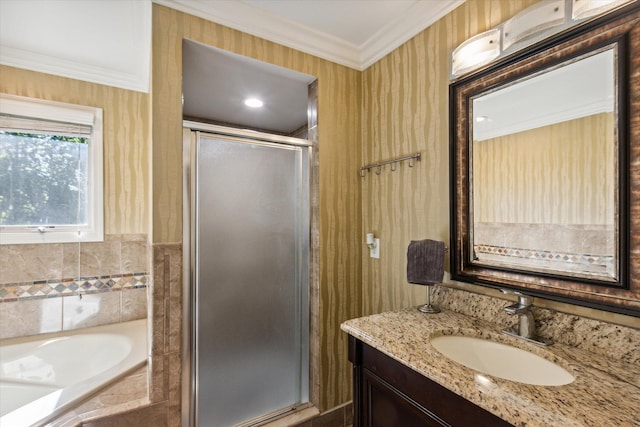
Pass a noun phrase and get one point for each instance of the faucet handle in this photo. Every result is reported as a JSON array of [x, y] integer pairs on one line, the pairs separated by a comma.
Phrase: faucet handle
[[523, 300], [526, 327]]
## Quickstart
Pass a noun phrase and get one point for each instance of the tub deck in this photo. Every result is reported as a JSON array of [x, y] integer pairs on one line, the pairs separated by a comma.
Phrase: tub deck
[[43, 376]]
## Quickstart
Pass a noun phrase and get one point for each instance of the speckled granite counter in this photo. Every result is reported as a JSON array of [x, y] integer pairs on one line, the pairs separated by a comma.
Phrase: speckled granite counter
[[605, 392]]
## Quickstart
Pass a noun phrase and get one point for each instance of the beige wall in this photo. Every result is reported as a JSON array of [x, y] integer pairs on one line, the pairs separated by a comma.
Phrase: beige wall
[[339, 115], [405, 110], [126, 140], [578, 183], [127, 150], [396, 107]]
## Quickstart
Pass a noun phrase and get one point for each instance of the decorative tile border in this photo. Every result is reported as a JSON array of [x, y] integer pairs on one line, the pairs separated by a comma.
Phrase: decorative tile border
[[11, 292]]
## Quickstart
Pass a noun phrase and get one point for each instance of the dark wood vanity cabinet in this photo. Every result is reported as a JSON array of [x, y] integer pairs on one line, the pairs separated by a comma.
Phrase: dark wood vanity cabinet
[[386, 393]]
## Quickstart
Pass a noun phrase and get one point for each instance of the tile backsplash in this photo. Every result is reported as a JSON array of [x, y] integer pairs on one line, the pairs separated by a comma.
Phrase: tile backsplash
[[617, 342], [53, 287]]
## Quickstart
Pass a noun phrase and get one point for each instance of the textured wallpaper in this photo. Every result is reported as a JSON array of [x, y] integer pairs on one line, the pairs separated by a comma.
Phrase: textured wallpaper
[[126, 140], [565, 166], [396, 107], [339, 117], [405, 107]]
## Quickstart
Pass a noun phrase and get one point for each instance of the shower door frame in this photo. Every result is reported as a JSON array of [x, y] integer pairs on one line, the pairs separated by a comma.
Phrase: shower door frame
[[189, 356]]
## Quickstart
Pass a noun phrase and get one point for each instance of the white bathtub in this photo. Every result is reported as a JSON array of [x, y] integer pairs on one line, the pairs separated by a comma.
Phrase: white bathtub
[[43, 376]]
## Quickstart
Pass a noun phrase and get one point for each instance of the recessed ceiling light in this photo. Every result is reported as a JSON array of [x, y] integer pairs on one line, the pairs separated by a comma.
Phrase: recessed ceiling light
[[253, 102], [481, 118]]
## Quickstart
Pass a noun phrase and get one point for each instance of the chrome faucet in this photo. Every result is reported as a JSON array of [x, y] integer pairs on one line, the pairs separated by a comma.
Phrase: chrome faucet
[[526, 327]]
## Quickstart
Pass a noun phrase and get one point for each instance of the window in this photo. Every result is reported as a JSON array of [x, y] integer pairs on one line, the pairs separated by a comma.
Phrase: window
[[50, 171]]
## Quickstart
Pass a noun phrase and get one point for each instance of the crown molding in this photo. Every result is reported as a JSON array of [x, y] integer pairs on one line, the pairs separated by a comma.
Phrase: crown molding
[[265, 24], [71, 61], [72, 69], [552, 117], [418, 17]]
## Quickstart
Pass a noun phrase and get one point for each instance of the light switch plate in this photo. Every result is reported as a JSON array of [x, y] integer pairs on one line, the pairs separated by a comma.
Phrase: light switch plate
[[375, 252]]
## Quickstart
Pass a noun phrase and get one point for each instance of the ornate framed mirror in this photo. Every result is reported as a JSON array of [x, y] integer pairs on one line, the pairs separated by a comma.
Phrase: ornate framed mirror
[[545, 168]]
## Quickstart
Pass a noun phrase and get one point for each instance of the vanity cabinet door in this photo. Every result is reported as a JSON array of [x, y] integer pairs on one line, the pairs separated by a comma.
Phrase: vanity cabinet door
[[387, 393], [385, 406]]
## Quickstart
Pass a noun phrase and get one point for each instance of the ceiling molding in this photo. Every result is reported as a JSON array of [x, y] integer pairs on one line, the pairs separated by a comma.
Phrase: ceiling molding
[[418, 17], [73, 69], [265, 24], [548, 118], [96, 58]]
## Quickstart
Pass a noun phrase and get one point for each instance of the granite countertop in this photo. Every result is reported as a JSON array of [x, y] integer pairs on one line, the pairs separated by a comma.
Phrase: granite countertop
[[605, 392]]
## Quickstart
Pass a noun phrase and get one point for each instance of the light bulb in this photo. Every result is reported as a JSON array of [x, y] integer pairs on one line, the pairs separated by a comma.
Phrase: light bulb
[[253, 102]]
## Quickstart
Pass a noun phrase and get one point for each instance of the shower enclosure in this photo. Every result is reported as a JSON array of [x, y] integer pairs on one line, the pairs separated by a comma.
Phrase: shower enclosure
[[246, 215]]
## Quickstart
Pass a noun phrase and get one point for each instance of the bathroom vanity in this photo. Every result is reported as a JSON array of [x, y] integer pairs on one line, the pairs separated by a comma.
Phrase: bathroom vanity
[[400, 379], [388, 393]]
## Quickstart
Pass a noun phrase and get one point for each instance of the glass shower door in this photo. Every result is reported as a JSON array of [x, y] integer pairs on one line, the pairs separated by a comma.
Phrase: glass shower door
[[250, 278]]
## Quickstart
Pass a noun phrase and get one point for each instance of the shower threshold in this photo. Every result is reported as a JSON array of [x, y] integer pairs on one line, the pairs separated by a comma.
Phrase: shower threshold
[[298, 413]]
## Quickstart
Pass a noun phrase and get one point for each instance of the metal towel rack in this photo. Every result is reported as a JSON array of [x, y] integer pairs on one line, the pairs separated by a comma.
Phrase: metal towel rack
[[411, 161]]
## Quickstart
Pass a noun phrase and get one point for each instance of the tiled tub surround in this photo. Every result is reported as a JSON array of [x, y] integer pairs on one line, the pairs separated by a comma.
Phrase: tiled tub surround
[[10, 292], [606, 391], [53, 287], [128, 394], [117, 254], [40, 296], [160, 407], [25, 317]]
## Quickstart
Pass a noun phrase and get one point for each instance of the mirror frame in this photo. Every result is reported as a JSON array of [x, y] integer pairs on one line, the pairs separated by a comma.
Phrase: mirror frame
[[622, 29]]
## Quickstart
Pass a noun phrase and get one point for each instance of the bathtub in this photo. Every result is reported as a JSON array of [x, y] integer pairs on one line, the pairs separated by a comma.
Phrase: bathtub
[[43, 376]]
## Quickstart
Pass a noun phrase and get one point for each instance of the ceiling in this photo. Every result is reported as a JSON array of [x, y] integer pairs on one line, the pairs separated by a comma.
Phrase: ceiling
[[575, 89], [216, 83], [355, 33], [67, 38]]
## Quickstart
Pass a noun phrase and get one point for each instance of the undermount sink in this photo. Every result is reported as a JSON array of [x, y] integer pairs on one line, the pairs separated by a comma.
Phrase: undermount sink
[[501, 360]]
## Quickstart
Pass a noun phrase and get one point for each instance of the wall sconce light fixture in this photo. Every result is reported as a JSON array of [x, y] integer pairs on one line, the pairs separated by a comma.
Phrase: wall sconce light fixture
[[475, 52], [527, 27], [582, 9]]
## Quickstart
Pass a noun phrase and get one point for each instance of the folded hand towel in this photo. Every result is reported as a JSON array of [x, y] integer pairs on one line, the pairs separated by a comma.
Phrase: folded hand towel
[[425, 262]]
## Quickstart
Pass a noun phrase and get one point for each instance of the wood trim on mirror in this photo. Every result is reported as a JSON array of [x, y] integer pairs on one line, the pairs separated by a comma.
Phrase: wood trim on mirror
[[622, 29]]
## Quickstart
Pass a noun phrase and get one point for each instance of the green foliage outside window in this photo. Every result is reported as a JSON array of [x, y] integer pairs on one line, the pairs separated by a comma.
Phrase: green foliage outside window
[[43, 179]]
